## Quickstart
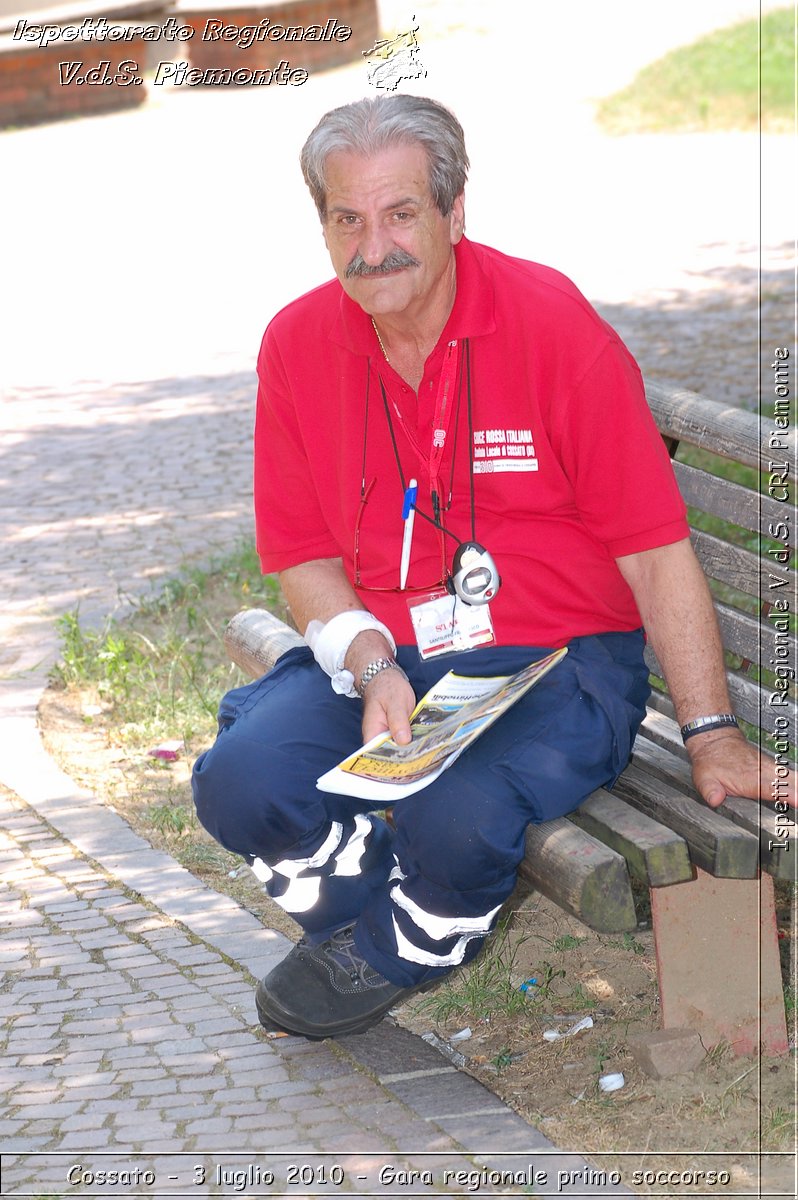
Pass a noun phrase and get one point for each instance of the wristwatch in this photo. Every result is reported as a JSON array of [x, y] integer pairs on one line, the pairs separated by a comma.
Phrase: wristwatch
[[373, 669], [705, 724]]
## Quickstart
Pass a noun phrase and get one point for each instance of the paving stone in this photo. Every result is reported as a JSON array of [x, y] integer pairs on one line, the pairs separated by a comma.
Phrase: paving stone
[[249, 1037], [157, 1033], [196, 1084], [74, 1078], [19, 1044], [31, 1094], [265, 1121], [157, 1086], [172, 1051], [137, 1074], [98, 1092], [213, 1025], [87, 1139], [141, 1007], [84, 1120], [95, 1025], [51, 1111], [210, 1127]]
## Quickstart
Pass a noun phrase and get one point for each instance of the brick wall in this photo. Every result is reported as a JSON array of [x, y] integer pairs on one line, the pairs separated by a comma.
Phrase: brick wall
[[30, 84], [30, 87], [359, 15]]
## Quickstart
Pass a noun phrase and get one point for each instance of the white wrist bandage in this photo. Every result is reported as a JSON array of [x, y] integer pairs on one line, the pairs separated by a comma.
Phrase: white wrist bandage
[[331, 641]]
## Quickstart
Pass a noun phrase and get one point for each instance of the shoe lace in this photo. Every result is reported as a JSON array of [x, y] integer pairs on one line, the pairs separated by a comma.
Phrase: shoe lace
[[341, 948]]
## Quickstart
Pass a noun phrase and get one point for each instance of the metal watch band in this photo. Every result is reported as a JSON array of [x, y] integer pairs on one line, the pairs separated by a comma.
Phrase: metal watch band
[[373, 669], [705, 724]]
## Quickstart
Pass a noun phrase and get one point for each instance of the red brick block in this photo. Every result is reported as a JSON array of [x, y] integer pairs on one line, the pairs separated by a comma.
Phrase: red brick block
[[667, 1052]]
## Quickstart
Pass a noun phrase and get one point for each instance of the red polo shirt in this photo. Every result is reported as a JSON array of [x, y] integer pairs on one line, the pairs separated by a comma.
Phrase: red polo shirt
[[568, 468]]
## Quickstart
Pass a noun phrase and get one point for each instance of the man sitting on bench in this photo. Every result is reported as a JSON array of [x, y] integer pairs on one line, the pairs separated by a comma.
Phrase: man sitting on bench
[[546, 515]]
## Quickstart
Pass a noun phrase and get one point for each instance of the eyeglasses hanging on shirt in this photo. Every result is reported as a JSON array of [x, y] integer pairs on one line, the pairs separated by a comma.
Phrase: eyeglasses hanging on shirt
[[473, 578]]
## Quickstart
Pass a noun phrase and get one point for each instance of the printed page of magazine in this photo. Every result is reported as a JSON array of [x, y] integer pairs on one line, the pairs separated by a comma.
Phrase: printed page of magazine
[[444, 723]]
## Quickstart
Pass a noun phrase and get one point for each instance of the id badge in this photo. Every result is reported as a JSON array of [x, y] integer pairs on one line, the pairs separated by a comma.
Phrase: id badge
[[443, 624]]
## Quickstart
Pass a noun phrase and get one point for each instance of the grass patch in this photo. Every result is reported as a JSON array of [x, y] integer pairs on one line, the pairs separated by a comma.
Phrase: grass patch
[[628, 942], [487, 986], [162, 672], [713, 84], [567, 941]]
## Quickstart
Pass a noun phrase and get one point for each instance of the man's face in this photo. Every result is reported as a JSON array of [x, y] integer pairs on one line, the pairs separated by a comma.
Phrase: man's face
[[380, 214]]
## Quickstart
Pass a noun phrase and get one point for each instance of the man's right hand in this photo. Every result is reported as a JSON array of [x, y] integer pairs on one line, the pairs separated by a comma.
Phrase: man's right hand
[[388, 699], [387, 704]]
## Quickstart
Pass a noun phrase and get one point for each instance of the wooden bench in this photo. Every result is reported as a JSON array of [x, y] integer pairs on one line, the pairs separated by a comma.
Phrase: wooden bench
[[709, 872]]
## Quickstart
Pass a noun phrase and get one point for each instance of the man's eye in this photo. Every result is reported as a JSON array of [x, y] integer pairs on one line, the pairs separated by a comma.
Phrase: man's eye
[[402, 216]]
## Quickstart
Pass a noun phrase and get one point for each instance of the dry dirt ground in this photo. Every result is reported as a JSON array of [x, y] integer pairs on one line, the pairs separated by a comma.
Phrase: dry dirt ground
[[727, 1104]]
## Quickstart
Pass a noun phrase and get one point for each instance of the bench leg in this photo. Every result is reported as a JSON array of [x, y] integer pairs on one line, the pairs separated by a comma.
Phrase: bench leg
[[718, 962]]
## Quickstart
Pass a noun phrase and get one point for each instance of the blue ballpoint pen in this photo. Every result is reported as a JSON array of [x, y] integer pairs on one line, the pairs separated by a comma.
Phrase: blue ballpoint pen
[[408, 516]]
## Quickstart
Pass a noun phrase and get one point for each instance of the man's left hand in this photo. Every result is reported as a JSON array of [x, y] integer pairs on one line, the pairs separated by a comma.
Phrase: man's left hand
[[728, 765]]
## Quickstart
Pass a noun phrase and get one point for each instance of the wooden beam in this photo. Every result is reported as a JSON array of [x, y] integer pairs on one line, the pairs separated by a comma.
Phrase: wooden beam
[[716, 845], [719, 428], [256, 638], [588, 880], [731, 502], [657, 758], [654, 854], [733, 565]]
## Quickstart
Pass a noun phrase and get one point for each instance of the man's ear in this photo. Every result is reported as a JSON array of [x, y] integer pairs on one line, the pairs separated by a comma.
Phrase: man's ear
[[457, 219]]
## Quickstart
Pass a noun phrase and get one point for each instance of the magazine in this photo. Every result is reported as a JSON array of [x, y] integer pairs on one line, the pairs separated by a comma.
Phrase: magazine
[[444, 723]]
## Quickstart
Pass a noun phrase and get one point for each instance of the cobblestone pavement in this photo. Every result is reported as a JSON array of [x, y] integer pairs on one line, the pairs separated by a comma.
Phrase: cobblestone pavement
[[126, 1033], [130, 334]]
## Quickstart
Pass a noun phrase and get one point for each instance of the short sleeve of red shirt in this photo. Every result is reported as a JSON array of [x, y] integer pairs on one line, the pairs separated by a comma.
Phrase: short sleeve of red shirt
[[614, 456]]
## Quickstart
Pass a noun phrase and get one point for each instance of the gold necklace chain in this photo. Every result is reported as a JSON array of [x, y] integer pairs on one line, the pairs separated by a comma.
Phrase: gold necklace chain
[[379, 339]]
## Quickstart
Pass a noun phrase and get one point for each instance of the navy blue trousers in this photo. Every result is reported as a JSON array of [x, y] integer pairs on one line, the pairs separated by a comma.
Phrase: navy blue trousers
[[424, 895]]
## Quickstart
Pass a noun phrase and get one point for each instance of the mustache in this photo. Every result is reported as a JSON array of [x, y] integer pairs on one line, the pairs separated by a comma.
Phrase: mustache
[[397, 260]]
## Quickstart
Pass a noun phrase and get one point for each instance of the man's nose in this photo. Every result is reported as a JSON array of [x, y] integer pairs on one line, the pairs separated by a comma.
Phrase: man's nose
[[374, 244]]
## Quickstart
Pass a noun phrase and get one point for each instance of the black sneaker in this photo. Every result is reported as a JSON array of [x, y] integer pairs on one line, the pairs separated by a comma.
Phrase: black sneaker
[[327, 990]]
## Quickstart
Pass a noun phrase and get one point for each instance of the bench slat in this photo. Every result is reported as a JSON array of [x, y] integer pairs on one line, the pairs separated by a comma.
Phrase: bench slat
[[654, 854], [578, 873], [659, 758], [745, 635], [716, 845], [729, 501], [720, 429], [732, 565], [749, 699]]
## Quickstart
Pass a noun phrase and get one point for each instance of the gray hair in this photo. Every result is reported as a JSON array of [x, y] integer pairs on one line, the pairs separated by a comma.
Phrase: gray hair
[[368, 126]]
